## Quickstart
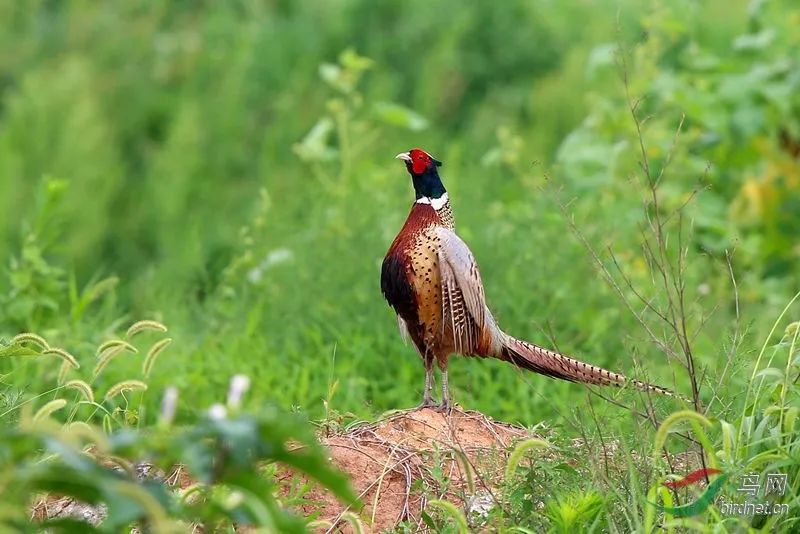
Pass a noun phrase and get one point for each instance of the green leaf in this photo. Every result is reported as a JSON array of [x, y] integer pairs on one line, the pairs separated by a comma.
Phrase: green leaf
[[428, 520], [397, 115], [314, 147], [601, 57], [771, 375], [753, 42], [14, 351], [67, 524]]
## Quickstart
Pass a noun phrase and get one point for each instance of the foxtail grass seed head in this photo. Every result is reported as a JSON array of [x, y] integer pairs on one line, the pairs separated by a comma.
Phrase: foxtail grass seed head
[[791, 329], [520, 450], [454, 512], [239, 386], [64, 355], [354, 521], [48, 409], [152, 354], [466, 469], [106, 357], [102, 287], [115, 344], [217, 412], [125, 385], [28, 337], [169, 405], [143, 326], [81, 386], [66, 367]]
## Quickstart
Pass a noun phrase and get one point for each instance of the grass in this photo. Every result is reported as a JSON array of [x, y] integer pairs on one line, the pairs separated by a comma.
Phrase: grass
[[227, 171]]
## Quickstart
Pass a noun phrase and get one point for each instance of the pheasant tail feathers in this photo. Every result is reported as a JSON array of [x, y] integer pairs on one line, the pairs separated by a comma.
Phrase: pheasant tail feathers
[[549, 363]]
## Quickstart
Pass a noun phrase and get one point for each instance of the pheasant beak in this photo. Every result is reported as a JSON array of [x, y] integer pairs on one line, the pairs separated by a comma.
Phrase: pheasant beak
[[405, 156]]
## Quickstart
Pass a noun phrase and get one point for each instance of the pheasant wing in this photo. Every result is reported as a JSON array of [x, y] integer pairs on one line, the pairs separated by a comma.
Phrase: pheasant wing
[[463, 301]]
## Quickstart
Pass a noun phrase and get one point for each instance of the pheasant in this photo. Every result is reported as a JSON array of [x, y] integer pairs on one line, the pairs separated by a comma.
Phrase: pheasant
[[430, 278]]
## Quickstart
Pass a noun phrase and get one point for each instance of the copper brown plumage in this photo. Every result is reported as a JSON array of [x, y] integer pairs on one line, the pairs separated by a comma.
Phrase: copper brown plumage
[[431, 279]]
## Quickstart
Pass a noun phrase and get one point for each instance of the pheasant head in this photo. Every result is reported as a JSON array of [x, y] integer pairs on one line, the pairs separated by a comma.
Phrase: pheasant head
[[423, 169]]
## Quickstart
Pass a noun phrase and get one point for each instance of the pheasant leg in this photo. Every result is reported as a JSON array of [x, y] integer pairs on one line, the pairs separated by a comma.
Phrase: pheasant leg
[[445, 407], [427, 396]]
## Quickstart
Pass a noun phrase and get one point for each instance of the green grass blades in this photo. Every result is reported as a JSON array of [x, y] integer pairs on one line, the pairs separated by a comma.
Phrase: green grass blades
[[627, 184]]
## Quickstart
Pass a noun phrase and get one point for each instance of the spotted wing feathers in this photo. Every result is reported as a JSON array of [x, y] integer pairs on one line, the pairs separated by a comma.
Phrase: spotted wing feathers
[[464, 310]]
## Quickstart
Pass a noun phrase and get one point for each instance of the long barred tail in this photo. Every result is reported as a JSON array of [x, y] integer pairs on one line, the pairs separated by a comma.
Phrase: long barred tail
[[549, 363]]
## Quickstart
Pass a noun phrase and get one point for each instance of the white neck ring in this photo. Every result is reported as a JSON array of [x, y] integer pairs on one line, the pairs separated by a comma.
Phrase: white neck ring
[[435, 203]]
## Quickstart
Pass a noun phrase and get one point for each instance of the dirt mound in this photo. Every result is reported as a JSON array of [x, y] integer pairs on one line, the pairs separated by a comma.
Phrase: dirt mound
[[396, 465], [401, 462]]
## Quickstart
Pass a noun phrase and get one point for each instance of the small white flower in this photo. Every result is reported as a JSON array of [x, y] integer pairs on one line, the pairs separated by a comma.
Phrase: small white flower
[[169, 404], [239, 386], [217, 412]]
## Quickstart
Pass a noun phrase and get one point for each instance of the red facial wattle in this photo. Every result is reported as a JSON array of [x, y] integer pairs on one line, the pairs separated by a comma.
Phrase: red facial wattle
[[419, 161]]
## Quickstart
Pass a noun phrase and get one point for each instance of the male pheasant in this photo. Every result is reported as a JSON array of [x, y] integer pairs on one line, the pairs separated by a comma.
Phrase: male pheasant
[[430, 278]]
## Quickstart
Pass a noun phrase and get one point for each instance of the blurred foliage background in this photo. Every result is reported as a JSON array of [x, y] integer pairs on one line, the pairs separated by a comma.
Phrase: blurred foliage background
[[226, 168]]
